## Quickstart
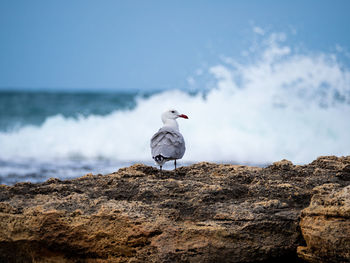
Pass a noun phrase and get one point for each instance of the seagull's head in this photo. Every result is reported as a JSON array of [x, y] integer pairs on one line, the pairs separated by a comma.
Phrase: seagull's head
[[172, 115]]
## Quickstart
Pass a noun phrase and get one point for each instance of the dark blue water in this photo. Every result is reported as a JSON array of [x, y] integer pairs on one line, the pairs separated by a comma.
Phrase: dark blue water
[[20, 108]]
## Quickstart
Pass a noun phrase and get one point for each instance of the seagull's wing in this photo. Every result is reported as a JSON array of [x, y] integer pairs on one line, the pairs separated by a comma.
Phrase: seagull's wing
[[169, 143]]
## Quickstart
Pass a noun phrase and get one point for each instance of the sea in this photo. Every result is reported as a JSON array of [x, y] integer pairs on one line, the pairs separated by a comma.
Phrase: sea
[[280, 103]]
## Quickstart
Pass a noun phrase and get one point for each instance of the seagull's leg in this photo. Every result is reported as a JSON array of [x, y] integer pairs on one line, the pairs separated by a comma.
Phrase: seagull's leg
[[160, 168], [175, 163]]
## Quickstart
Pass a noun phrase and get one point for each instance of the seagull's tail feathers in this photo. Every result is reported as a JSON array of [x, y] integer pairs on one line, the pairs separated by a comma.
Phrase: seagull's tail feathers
[[160, 159]]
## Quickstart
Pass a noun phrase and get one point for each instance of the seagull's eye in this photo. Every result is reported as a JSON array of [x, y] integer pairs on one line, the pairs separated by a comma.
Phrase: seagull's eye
[[172, 111]]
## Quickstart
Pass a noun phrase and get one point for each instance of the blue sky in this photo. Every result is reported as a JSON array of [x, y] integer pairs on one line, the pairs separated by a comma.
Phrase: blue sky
[[115, 45]]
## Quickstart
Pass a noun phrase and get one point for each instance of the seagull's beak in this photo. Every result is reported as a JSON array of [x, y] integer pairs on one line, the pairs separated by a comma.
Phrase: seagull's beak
[[182, 116]]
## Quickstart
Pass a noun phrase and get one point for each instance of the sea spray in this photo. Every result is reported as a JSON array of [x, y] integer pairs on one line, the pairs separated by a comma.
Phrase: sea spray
[[279, 104]]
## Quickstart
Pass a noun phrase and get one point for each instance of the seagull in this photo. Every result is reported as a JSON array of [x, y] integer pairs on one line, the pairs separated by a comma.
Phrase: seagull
[[168, 143]]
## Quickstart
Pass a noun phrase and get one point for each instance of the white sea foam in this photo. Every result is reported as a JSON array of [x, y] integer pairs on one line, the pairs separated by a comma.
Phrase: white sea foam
[[281, 104]]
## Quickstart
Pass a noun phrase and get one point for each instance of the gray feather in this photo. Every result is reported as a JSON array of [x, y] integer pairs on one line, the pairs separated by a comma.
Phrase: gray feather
[[169, 143]]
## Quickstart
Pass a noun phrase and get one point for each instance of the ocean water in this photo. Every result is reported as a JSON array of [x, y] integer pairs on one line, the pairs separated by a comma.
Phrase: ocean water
[[25, 156], [273, 102]]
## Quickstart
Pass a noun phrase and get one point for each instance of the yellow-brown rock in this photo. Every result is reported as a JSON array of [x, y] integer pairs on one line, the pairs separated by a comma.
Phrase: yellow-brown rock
[[325, 225], [200, 213]]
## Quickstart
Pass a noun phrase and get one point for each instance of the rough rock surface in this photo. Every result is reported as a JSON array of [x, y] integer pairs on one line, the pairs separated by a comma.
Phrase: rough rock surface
[[201, 213], [325, 225]]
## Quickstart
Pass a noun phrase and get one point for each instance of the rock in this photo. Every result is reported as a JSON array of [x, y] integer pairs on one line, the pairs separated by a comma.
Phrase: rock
[[325, 225], [200, 213]]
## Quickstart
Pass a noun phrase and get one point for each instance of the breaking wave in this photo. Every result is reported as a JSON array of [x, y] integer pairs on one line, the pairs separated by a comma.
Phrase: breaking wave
[[279, 103]]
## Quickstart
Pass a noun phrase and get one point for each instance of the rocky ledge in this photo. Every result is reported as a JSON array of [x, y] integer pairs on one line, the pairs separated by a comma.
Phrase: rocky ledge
[[200, 213]]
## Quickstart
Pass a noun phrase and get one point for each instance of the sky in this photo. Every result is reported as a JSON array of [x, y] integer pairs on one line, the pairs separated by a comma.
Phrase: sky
[[148, 45]]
